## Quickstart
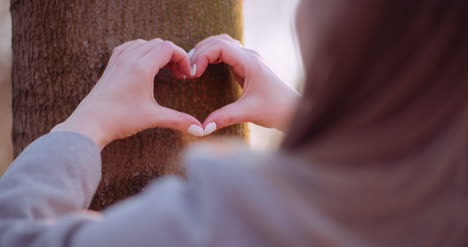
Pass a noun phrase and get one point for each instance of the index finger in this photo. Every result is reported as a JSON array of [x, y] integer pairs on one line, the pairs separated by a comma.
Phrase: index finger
[[165, 53], [222, 37], [216, 50]]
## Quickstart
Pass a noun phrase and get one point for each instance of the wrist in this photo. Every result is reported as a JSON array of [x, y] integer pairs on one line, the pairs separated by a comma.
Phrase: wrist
[[285, 111], [87, 129]]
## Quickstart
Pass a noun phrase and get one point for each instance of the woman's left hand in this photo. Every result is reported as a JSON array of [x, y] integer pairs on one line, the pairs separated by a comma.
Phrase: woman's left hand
[[122, 103]]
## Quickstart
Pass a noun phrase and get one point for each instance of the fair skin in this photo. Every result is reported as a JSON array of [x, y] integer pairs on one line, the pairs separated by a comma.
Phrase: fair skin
[[122, 103]]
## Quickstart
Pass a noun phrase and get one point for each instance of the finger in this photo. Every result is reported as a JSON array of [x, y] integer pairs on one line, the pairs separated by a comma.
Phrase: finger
[[237, 112], [224, 37], [165, 53], [216, 50], [171, 119], [175, 71], [227, 37], [183, 66], [144, 48], [127, 49]]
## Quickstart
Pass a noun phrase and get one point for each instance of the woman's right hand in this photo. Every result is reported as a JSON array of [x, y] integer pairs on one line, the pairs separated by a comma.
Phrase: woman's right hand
[[266, 100]]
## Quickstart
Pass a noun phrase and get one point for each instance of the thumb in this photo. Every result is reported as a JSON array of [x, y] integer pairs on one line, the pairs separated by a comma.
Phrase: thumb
[[237, 112], [172, 119]]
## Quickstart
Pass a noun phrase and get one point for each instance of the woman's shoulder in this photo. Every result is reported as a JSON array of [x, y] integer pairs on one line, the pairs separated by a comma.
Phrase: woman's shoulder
[[228, 154], [227, 163]]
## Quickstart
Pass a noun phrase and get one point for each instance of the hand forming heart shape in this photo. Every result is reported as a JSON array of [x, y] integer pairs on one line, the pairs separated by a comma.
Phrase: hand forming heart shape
[[266, 100], [122, 104]]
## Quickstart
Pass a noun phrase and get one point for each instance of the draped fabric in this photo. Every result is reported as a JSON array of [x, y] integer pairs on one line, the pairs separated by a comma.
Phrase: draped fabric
[[384, 78], [383, 124]]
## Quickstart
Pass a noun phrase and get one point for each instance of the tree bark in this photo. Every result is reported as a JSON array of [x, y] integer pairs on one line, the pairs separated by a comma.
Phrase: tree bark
[[60, 49], [6, 149]]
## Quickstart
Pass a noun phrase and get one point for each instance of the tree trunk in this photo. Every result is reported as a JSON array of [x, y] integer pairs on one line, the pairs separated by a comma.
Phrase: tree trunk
[[60, 49], [5, 87]]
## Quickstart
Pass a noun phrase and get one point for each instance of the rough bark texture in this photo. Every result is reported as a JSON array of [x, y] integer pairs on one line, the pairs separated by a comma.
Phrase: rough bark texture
[[60, 49]]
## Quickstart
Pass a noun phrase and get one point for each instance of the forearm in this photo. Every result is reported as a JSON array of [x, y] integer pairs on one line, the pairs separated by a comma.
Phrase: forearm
[[92, 131], [144, 220]]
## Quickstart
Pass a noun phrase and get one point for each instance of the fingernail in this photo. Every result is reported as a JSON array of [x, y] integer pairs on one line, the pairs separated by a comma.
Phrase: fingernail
[[210, 128], [194, 70], [196, 130], [190, 54]]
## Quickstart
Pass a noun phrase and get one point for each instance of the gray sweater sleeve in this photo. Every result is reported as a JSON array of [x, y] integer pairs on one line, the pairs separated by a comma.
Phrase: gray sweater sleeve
[[55, 175], [46, 191], [228, 199]]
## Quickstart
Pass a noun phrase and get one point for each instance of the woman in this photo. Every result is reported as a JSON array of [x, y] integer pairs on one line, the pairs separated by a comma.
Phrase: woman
[[375, 155]]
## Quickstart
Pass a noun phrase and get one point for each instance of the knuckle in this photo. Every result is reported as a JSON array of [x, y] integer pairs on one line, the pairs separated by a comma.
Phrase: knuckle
[[180, 120], [226, 36], [137, 42], [252, 52], [167, 44], [220, 42], [117, 49], [158, 40], [256, 63], [254, 58], [226, 118]]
